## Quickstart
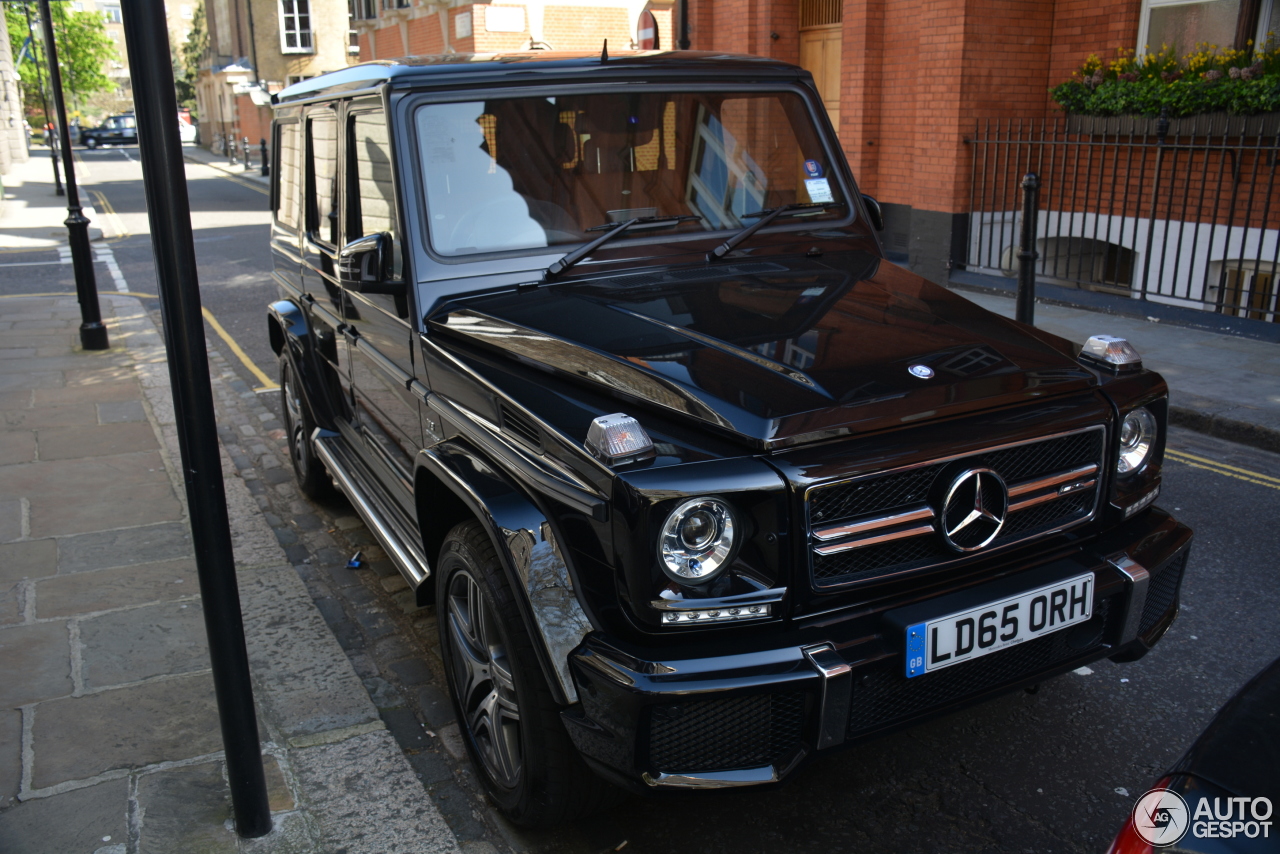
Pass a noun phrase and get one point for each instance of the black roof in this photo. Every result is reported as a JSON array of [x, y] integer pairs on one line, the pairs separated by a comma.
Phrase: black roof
[[529, 66]]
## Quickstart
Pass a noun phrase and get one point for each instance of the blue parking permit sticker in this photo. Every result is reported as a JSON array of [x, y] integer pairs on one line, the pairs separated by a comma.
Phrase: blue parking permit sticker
[[915, 649], [812, 169]]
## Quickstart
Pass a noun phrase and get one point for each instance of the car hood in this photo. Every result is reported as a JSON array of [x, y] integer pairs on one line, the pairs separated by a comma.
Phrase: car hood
[[778, 353]]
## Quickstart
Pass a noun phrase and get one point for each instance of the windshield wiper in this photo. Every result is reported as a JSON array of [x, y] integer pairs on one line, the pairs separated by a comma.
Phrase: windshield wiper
[[766, 217], [614, 230]]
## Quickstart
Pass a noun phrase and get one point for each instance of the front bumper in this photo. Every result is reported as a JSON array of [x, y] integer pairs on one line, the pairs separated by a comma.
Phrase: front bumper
[[654, 721]]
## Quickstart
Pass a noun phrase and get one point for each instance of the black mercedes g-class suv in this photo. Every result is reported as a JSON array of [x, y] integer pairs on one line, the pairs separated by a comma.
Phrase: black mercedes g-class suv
[[606, 352]]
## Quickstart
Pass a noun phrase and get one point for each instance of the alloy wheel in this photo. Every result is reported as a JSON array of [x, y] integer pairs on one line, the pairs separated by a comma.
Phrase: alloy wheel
[[483, 680], [297, 432]]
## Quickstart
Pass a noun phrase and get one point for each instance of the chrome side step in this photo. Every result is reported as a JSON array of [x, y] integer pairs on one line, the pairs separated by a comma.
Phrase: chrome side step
[[404, 550]]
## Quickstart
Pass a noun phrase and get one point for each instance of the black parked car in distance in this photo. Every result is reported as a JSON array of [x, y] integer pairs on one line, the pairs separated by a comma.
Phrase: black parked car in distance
[[606, 352], [114, 130]]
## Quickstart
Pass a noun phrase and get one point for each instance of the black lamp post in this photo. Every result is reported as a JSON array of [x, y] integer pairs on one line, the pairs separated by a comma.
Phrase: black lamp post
[[93, 334], [169, 211], [44, 103]]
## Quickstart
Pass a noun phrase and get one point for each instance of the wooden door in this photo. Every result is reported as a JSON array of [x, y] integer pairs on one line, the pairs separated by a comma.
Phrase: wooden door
[[820, 56]]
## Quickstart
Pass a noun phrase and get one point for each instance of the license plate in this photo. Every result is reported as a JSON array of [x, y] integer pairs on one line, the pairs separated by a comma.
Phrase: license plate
[[966, 635]]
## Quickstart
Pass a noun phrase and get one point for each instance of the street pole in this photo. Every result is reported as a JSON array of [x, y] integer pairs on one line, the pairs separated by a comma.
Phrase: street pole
[[1026, 309], [44, 104], [93, 334], [683, 42], [169, 211]]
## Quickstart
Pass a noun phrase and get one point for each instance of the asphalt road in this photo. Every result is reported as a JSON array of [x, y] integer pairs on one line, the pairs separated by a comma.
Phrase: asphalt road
[[1053, 771]]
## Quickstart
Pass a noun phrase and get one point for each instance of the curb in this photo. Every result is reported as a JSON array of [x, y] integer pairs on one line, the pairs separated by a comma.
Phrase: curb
[[1222, 427], [254, 174]]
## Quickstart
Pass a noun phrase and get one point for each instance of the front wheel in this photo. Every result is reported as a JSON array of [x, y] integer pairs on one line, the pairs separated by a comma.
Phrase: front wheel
[[509, 721], [90, 142], [312, 478]]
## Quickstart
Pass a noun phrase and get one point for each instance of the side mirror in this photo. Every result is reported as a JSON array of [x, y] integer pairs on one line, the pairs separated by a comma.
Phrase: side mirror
[[874, 214], [362, 266]]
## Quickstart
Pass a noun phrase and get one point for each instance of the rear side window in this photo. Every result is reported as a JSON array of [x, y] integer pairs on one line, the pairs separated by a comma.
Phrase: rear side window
[[288, 195], [372, 207], [322, 178]]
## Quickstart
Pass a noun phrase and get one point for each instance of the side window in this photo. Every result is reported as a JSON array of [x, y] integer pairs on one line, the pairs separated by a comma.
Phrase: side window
[[287, 175], [322, 178], [372, 208]]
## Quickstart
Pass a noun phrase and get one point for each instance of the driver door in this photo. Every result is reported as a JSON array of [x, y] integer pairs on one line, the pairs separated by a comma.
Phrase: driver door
[[381, 329]]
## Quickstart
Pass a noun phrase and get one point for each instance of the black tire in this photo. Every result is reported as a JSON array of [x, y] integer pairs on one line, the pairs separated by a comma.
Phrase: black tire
[[531, 770], [312, 478], [90, 142]]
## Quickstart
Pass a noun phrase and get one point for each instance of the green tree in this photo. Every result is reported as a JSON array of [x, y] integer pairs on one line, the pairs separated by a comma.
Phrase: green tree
[[84, 49], [186, 59]]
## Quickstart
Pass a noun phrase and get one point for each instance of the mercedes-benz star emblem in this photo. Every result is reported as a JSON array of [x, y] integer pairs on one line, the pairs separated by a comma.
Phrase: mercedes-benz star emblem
[[924, 372], [973, 511]]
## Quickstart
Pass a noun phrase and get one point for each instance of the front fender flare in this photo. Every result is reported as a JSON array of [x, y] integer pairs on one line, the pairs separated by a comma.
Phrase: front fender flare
[[530, 552], [287, 326]]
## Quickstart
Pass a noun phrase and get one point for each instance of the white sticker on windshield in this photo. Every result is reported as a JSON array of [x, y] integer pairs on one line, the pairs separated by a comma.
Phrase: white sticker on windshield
[[819, 190]]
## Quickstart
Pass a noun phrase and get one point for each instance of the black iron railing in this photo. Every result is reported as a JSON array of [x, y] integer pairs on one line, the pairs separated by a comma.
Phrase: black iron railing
[[1184, 212]]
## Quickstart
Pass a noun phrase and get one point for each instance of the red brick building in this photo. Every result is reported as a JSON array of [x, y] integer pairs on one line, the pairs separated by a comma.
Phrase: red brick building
[[906, 81], [392, 28]]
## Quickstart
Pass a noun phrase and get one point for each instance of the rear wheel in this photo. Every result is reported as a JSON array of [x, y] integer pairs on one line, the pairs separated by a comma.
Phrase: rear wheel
[[509, 721], [313, 480], [90, 142]]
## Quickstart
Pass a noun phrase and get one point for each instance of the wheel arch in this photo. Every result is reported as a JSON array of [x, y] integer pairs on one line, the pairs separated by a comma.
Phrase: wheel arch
[[289, 334], [453, 482]]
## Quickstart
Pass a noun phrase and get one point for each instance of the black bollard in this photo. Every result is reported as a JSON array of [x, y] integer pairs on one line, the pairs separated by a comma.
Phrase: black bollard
[[266, 166], [1027, 254], [93, 334], [169, 211]]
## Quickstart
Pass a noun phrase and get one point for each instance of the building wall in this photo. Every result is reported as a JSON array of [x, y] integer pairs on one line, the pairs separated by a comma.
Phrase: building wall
[[13, 135], [916, 76], [508, 26], [247, 62]]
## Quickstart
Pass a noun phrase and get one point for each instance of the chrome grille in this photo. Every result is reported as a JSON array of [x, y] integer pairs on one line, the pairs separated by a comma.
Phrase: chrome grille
[[881, 525]]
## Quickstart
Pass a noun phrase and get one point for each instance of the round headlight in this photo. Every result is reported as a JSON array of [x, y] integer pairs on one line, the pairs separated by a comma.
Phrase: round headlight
[[1137, 438], [697, 540]]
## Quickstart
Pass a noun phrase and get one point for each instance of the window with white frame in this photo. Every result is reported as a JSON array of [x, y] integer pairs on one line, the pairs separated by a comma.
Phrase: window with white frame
[[1184, 24], [295, 27]]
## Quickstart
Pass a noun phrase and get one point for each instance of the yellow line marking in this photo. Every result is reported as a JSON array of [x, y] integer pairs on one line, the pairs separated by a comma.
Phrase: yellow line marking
[[1217, 468], [240, 354], [117, 224], [1247, 472], [267, 384]]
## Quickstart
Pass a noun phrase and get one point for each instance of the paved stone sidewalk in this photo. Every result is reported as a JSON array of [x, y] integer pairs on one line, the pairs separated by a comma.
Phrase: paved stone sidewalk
[[109, 738]]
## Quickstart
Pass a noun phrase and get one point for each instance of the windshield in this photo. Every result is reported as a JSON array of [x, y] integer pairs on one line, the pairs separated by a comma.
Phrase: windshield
[[522, 173]]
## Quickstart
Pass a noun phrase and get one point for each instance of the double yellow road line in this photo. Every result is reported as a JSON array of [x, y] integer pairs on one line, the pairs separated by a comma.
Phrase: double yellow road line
[[1247, 475]]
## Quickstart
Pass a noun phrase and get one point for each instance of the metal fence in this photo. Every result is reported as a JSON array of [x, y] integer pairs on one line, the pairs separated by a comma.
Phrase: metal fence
[[1183, 212]]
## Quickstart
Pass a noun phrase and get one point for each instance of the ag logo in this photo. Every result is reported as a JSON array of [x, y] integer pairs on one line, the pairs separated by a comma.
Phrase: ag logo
[[1161, 817]]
